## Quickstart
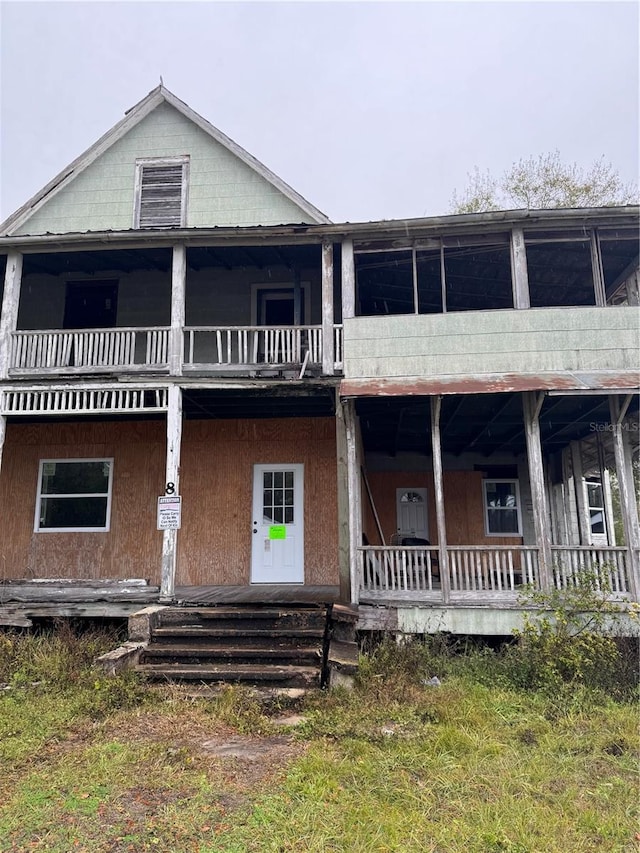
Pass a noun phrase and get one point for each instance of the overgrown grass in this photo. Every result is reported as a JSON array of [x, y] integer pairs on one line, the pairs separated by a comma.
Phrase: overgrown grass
[[483, 763]]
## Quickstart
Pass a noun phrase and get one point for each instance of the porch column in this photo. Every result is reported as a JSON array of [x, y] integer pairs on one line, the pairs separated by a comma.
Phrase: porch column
[[9, 314], [172, 475], [436, 451], [348, 281], [328, 359], [178, 291], [584, 524], [344, 541], [519, 271], [355, 497], [628, 505], [531, 404], [3, 435]]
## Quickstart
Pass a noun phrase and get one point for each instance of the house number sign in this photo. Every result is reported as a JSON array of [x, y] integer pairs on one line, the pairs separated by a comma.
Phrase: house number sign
[[169, 512]]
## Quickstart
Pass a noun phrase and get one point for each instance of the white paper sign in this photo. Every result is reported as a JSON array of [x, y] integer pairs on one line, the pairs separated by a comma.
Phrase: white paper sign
[[169, 512]]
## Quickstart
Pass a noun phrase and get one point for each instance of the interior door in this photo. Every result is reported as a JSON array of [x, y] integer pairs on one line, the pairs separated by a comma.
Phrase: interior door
[[277, 550], [411, 513]]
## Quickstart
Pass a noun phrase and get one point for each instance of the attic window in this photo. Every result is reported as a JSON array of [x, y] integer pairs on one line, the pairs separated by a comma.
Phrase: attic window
[[161, 192]]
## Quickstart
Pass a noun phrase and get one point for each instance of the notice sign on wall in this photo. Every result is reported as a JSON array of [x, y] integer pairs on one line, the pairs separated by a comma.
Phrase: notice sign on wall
[[277, 531], [169, 512]]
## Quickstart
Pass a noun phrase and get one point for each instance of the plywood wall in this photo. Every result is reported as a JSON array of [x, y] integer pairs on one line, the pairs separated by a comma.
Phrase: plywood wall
[[463, 506], [214, 545]]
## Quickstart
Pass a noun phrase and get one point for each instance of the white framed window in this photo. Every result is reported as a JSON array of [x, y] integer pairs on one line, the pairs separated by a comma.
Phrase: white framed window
[[160, 197], [502, 508], [74, 495]]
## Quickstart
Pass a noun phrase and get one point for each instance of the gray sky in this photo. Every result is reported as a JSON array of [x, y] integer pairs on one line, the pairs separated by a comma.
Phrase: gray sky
[[370, 110]]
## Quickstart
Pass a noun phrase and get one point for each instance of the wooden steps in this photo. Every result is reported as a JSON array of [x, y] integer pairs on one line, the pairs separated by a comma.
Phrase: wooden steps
[[262, 645]]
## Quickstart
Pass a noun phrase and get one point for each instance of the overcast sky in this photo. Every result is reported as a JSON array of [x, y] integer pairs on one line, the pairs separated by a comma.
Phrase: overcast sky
[[369, 110]]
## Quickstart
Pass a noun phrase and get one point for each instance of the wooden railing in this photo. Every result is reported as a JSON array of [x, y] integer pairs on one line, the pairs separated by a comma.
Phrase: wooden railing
[[605, 569], [85, 350], [244, 346], [391, 569], [492, 568]]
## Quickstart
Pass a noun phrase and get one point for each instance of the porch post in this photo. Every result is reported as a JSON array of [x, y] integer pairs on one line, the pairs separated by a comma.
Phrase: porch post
[[436, 450], [3, 434], [348, 281], [9, 314], [328, 359], [584, 525], [178, 291], [355, 497], [628, 505], [531, 404], [519, 271], [172, 475], [344, 540]]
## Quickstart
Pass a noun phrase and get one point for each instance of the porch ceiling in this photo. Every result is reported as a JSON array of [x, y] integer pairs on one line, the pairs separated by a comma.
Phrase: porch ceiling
[[277, 402], [480, 423]]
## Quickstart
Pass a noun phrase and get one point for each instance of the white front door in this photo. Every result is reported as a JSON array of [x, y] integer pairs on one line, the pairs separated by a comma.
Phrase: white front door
[[277, 550], [411, 506]]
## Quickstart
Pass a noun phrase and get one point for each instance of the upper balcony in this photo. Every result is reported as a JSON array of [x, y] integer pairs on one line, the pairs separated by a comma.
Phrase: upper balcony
[[240, 311]]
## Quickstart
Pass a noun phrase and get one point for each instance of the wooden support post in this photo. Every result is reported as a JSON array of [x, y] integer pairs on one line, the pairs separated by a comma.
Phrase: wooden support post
[[178, 296], [348, 281], [10, 303], [3, 435], [328, 358], [172, 475], [436, 448], [628, 502], [344, 559], [584, 523], [531, 404], [519, 271], [597, 271], [355, 497]]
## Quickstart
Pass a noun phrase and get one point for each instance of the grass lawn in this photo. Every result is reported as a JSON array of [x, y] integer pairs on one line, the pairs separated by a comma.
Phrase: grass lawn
[[90, 764]]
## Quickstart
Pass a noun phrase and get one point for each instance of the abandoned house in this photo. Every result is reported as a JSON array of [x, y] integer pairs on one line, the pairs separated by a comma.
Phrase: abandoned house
[[211, 395]]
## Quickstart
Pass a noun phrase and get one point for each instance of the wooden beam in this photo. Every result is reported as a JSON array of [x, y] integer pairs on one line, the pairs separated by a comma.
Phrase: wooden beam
[[328, 359], [344, 561], [519, 271], [531, 406], [172, 475], [10, 303], [584, 525], [628, 503], [596, 269], [436, 446], [178, 295], [355, 497], [348, 281]]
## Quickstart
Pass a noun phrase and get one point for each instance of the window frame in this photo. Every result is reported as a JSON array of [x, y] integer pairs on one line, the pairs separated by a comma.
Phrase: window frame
[[107, 525], [141, 162], [518, 506]]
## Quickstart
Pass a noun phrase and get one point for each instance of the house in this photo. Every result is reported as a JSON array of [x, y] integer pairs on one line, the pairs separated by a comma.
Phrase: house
[[416, 417]]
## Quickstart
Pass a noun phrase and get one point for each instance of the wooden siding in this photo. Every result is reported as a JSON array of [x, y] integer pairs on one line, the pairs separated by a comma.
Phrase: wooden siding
[[222, 189], [463, 504], [214, 545], [471, 343]]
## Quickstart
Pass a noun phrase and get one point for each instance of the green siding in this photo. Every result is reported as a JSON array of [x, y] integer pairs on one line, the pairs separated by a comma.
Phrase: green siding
[[474, 342], [222, 189]]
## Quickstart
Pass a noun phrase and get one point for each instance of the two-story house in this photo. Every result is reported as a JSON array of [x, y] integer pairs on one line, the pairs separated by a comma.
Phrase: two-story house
[[417, 416]]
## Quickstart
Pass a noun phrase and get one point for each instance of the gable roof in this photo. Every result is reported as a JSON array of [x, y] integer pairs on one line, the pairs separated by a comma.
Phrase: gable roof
[[132, 117]]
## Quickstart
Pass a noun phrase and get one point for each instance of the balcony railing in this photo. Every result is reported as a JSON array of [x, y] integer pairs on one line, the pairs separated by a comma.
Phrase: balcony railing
[[237, 348], [483, 572], [89, 350], [241, 347]]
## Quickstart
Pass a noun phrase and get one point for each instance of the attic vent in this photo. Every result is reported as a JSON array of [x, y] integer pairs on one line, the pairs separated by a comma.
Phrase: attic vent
[[161, 193]]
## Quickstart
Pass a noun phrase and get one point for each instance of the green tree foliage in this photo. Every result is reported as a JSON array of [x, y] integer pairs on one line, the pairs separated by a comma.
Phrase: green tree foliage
[[543, 182]]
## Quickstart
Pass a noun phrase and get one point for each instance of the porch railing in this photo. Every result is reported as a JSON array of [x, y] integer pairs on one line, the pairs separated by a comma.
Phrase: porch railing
[[606, 568], [83, 350], [391, 569], [492, 568], [338, 354], [242, 346]]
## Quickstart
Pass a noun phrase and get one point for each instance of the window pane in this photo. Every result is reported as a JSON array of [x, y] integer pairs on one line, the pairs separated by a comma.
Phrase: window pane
[[288, 479], [595, 494], [597, 521], [501, 494], [68, 478], [503, 520], [73, 512], [288, 515]]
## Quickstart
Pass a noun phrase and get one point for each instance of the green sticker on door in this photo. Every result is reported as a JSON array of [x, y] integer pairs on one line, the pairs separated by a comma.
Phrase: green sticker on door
[[278, 531]]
